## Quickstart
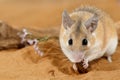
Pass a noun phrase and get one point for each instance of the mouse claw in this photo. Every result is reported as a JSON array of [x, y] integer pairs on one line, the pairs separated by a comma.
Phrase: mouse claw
[[75, 67], [85, 63]]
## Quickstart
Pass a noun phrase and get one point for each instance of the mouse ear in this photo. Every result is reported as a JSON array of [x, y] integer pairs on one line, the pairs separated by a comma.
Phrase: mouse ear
[[91, 24], [66, 20]]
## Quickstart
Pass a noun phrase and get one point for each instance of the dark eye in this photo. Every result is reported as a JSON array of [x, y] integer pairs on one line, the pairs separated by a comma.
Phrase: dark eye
[[84, 42], [70, 42]]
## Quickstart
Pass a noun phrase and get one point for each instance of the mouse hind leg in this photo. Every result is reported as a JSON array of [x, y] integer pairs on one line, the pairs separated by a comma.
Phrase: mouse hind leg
[[112, 45], [109, 58]]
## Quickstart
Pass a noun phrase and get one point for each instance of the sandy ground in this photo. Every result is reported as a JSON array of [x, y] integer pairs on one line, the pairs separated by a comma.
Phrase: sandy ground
[[25, 64]]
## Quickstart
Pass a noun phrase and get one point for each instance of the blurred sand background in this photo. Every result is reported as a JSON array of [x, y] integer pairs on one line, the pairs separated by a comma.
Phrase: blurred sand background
[[46, 14]]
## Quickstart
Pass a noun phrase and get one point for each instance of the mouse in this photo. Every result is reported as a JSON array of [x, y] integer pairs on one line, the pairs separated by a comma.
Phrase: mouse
[[86, 34]]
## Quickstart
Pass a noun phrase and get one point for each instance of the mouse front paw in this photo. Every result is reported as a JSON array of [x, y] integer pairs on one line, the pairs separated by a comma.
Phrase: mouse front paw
[[85, 63], [75, 67]]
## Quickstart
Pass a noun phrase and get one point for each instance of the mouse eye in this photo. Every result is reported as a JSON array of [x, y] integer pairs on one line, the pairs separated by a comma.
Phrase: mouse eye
[[70, 42], [84, 42]]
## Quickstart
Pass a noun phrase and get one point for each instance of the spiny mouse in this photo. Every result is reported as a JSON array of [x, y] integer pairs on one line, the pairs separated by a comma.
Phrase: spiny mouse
[[86, 34]]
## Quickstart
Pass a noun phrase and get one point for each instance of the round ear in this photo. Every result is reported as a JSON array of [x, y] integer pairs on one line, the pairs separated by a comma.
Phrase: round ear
[[91, 24], [66, 20]]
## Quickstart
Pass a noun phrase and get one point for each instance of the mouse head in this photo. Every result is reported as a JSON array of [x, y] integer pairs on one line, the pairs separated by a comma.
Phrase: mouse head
[[77, 36]]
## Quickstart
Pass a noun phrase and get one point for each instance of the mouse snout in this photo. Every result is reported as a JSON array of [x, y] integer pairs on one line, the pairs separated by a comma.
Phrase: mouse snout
[[77, 57]]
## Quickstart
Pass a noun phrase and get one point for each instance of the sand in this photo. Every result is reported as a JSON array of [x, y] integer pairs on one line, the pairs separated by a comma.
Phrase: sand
[[44, 18]]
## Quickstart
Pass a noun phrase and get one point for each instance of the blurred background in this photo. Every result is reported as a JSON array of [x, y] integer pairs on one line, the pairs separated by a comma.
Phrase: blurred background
[[47, 13]]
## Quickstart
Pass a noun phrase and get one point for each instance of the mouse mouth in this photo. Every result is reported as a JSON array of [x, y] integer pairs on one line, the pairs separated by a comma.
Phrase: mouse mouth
[[78, 57]]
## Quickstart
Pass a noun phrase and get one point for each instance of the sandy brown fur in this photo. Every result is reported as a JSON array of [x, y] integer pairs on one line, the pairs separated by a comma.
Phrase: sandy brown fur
[[92, 10], [103, 18]]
